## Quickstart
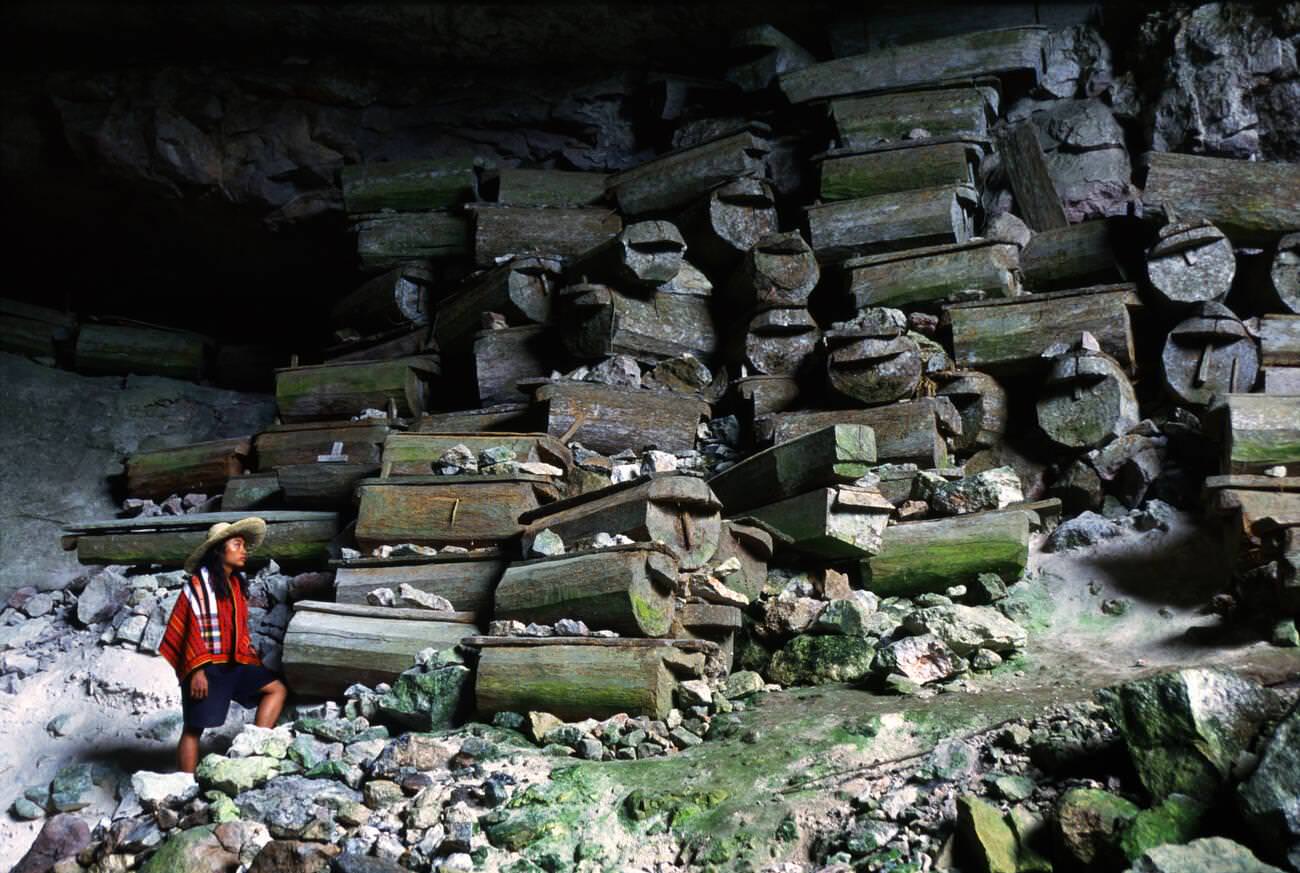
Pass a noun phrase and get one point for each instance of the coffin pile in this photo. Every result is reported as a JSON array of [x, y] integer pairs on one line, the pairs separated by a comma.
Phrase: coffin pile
[[741, 407]]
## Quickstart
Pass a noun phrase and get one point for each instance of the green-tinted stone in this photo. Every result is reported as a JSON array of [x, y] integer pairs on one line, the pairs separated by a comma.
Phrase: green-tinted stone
[[1285, 634], [71, 786], [235, 775], [817, 660], [1013, 788], [987, 841], [1209, 855], [1089, 825], [1267, 799], [221, 807], [25, 810], [193, 851], [1175, 820], [426, 701]]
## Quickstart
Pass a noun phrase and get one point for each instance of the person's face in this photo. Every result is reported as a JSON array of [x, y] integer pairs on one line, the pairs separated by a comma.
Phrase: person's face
[[234, 553]]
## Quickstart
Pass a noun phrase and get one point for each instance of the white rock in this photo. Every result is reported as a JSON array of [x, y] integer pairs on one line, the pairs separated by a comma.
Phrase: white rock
[[381, 597], [164, 789], [409, 595]]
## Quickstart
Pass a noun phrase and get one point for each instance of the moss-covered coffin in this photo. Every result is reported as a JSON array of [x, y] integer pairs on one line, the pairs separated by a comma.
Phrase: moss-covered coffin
[[836, 454], [343, 390], [930, 556], [413, 454], [898, 166], [609, 419], [204, 467], [1260, 431], [357, 442], [959, 111], [911, 431], [842, 522], [468, 580]]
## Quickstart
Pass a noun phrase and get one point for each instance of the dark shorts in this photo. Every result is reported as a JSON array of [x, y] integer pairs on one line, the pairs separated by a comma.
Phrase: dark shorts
[[242, 683]]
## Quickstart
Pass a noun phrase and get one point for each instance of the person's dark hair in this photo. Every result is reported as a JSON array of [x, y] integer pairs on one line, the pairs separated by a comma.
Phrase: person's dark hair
[[216, 568]]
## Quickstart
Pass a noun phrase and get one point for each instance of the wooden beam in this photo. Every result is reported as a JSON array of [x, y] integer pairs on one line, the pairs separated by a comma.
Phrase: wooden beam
[[1261, 431], [204, 467], [503, 231], [671, 181], [342, 390], [890, 222], [847, 174], [609, 419], [410, 186], [837, 454], [934, 274], [963, 111], [1254, 202], [1037, 200], [387, 240]]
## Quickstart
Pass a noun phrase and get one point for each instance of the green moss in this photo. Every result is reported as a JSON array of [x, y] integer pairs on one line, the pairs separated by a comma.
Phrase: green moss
[[1176, 820], [654, 620]]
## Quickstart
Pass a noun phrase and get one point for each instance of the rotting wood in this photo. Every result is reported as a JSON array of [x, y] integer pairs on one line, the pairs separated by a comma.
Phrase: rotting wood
[[1284, 274], [389, 240], [1209, 353], [203, 467], [1010, 335], [342, 390], [981, 401], [410, 186], [397, 298], [358, 442], [679, 511], [1260, 431], [608, 419], [465, 510], [934, 274], [322, 486], [761, 53], [645, 253], [627, 589], [778, 341], [507, 356], [728, 221], [516, 186], [919, 557], [468, 580], [120, 349], [606, 321], [501, 417], [671, 181], [523, 290], [396, 343], [1253, 202], [911, 431], [1086, 400], [1036, 197], [413, 454], [779, 270], [890, 222], [1016, 51], [250, 491], [1279, 340], [848, 174], [752, 547], [965, 111], [1074, 256], [520, 231], [837, 454], [843, 522], [1191, 263]]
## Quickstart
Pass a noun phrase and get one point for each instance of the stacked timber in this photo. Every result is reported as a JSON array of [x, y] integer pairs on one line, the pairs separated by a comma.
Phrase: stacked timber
[[317, 464], [340, 390], [609, 419], [199, 467], [1279, 353], [406, 212], [1260, 431], [467, 579]]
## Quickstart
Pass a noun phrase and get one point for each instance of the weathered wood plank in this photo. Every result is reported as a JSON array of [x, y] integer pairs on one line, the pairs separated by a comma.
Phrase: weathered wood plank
[[729, 220], [1074, 256], [627, 589], [862, 122], [467, 580], [606, 321], [507, 356], [293, 539], [517, 186], [342, 390], [1014, 51], [325, 653], [471, 510], [403, 613], [837, 454], [413, 454], [149, 351], [204, 467], [1253, 202], [911, 431], [609, 420], [34, 330], [252, 491], [836, 523], [1037, 200], [938, 273], [322, 486], [916, 557], [1209, 353], [1261, 431], [890, 222], [1010, 335], [501, 418], [981, 401], [847, 174], [671, 181], [521, 290], [513, 231], [397, 343], [679, 511], [408, 186], [397, 298], [305, 443], [1279, 340], [1284, 274], [1281, 380], [779, 270], [644, 254], [390, 240]]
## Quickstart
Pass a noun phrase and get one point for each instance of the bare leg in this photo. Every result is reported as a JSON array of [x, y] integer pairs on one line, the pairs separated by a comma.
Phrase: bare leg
[[268, 709], [187, 752]]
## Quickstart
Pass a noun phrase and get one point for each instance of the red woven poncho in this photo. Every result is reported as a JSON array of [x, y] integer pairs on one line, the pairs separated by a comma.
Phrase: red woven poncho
[[203, 628]]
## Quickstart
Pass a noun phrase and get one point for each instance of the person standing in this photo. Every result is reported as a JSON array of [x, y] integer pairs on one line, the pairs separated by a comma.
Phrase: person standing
[[207, 640]]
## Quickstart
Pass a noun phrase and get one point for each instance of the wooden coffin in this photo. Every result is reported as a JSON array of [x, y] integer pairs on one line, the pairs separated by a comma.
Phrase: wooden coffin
[[712, 622], [1016, 51], [779, 340], [608, 419], [410, 186], [982, 404], [293, 539], [468, 580], [963, 111], [649, 327], [1190, 263], [204, 467], [1209, 353], [413, 454], [1037, 202], [469, 510], [387, 240], [516, 186], [522, 290], [507, 356], [322, 486], [1254, 202], [1074, 256], [1261, 505], [916, 557], [1279, 340], [762, 395], [119, 349], [842, 522], [251, 491], [890, 222], [578, 677], [499, 418], [874, 364], [329, 646], [1010, 335], [398, 298], [646, 254], [911, 431], [34, 330], [779, 270], [503, 231], [1086, 401], [752, 547], [836, 454], [402, 342], [1281, 380], [848, 174], [679, 511], [310, 442], [342, 390], [627, 589], [761, 53], [934, 274], [671, 181], [1260, 431], [728, 221], [1284, 274]]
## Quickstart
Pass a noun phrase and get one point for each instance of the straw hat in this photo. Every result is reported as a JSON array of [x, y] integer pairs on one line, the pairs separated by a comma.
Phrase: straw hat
[[252, 529]]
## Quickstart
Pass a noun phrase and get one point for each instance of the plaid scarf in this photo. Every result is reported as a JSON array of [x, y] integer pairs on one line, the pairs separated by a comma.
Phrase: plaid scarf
[[203, 606]]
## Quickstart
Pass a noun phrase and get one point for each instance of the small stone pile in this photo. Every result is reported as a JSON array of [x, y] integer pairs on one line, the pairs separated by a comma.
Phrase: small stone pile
[[175, 504]]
